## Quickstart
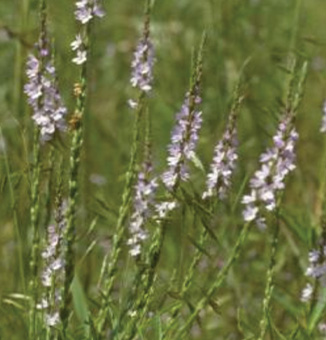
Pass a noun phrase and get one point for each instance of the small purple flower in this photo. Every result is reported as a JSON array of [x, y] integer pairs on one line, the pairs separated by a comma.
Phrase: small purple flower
[[163, 208], [142, 65], [86, 10], [77, 43], [184, 140], [81, 57], [315, 270], [143, 209], [307, 293], [276, 163], [224, 163], [323, 123], [44, 97], [317, 263]]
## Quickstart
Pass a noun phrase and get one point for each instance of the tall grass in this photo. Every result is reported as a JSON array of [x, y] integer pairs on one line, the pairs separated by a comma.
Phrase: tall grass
[[136, 204]]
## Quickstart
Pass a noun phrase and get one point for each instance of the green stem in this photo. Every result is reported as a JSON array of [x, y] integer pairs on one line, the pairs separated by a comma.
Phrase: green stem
[[75, 155], [18, 235], [269, 279], [109, 267], [186, 283], [33, 284], [141, 305], [220, 277]]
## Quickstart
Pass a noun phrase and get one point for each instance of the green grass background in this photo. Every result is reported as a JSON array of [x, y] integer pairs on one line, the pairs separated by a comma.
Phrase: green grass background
[[261, 31]]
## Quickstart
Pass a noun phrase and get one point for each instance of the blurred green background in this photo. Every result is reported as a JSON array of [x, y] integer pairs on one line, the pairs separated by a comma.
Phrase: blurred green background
[[263, 31]]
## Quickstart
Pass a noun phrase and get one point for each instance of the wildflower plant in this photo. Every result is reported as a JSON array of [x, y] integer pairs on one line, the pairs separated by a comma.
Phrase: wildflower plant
[[185, 134], [177, 255], [86, 11], [109, 265]]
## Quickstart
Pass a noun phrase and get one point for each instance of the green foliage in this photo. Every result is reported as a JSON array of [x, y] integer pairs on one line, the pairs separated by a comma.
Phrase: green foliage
[[203, 274]]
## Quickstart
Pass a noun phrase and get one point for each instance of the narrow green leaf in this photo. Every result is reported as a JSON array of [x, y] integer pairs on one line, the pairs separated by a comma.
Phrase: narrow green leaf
[[80, 302]]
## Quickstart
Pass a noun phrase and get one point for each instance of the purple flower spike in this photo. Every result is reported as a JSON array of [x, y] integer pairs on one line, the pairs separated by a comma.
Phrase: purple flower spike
[[224, 163], [184, 140], [44, 97], [143, 209], [142, 65], [276, 163], [53, 270]]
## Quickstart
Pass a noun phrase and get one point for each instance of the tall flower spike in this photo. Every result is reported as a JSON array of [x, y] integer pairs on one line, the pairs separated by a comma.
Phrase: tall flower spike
[[43, 94], [142, 65], [143, 61], [276, 163], [185, 134], [224, 160], [184, 140], [53, 273], [143, 208]]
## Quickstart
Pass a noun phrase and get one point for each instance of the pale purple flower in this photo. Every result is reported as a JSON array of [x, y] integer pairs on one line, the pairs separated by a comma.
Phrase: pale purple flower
[[77, 43], [307, 293], [323, 123], [142, 65], [224, 163], [52, 319], [322, 327], [163, 208], [143, 209], [276, 163], [317, 264], [44, 97], [133, 104], [184, 140], [315, 270], [86, 10], [81, 57]]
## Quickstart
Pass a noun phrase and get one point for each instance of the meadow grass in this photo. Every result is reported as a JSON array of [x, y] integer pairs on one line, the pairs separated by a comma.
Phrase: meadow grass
[[133, 252]]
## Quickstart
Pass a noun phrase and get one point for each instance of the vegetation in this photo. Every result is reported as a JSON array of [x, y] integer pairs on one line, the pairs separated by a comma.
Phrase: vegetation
[[162, 169]]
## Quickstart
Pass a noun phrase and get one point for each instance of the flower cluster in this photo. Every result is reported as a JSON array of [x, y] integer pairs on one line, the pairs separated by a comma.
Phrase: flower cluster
[[184, 140], [142, 65], [163, 208], [315, 270], [224, 163], [78, 46], [53, 273], [323, 122], [44, 97], [317, 263], [276, 163], [86, 10], [143, 209]]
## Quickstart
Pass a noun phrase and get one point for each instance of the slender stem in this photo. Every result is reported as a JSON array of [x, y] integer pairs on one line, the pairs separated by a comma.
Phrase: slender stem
[[80, 92], [109, 267], [19, 60], [33, 284], [269, 278], [15, 217], [141, 305], [186, 283], [220, 277]]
